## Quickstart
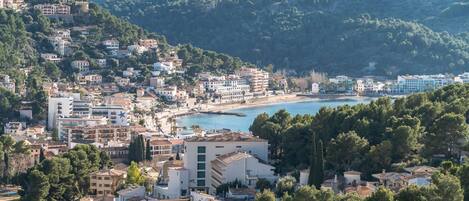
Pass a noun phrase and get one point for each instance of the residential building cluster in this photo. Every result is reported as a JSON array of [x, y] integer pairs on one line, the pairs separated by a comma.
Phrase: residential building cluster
[[404, 84]]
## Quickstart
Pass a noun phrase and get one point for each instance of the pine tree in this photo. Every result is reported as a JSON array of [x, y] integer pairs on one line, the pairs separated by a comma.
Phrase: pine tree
[[148, 155]]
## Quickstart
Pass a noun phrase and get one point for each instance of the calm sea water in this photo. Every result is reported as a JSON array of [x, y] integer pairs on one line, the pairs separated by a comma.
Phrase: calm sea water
[[209, 121]]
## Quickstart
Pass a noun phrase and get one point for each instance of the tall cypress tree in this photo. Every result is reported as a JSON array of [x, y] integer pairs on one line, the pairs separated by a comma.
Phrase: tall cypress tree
[[41, 155], [148, 155], [312, 165], [320, 165], [131, 154], [141, 148]]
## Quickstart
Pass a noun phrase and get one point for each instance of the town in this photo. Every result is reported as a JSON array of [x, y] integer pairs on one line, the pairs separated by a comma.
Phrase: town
[[123, 99]]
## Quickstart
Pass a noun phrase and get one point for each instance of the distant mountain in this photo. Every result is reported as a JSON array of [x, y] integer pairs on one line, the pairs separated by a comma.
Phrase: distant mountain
[[385, 37]]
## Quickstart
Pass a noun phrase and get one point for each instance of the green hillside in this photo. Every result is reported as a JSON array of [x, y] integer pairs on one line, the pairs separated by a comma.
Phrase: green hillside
[[337, 36]]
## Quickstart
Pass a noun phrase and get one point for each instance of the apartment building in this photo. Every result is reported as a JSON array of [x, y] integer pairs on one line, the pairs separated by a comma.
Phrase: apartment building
[[105, 182], [421, 83], [101, 134], [53, 9], [258, 79], [86, 121], [58, 107], [161, 148], [117, 114]]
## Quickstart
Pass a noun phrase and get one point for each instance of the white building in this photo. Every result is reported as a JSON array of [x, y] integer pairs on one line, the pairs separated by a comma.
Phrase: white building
[[112, 44], [199, 196], [178, 184], [7, 83], [421, 83], [165, 66], [240, 166], [130, 72], [13, 128], [200, 151], [227, 89], [53, 9], [315, 88], [58, 107], [169, 92], [131, 193], [51, 57], [78, 121], [116, 114], [157, 82]]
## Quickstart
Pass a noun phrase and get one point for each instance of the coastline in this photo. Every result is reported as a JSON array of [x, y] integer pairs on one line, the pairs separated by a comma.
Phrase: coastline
[[277, 99]]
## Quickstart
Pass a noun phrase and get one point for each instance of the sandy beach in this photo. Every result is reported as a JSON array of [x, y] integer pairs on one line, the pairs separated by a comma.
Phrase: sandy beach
[[258, 102]]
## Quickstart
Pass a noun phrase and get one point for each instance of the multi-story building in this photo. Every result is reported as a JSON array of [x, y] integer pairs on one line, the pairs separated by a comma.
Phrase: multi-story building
[[168, 92], [105, 182], [161, 148], [242, 167], [82, 66], [93, 79], [111, 45], [78, 121], [7, 83], [51, 57], [258, 79], [101, 134], [148, 43], [59, 107], [200, 151], [53, 9], [421, 83], [165, 66], [229, 89], [115, 113], [61, 45], [12, 4]]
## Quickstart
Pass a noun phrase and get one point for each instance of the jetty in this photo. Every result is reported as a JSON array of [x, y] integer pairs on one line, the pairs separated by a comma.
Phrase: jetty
[[238, 114]]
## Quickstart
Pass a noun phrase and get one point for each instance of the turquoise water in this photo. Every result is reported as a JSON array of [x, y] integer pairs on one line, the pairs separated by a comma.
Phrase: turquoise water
[[209, 121]]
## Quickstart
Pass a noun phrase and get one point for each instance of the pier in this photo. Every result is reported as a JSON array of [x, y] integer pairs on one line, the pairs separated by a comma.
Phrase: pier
[[238, 114]]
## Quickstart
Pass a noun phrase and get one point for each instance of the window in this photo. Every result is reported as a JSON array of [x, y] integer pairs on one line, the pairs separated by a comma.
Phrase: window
[[200, 182], [201, 174], [201, 150], [238, 146], [201, 158], [219, 146], [201, 166]]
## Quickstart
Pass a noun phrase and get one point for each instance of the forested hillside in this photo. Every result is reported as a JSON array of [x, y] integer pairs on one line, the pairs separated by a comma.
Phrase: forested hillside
[[336, 36]]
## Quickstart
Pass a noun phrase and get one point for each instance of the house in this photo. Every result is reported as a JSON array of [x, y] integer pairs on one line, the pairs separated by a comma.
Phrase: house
[[83, 66], [111, 44], [165, 66], [14, 128], [169, 93], [240, 166], [131, 193], [7, 83], [241, 194], [130, 72], [148, 43], [51, 57], [105, 182], [393, 180], [200, 196]]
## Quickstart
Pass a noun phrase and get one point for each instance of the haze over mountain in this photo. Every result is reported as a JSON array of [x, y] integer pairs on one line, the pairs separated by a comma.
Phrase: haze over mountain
[[335, 36]]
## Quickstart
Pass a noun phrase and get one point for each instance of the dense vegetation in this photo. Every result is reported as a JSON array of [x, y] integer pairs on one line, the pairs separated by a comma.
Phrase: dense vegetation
[[64, 177], [445, 187], [337, 36], [422, 128]]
